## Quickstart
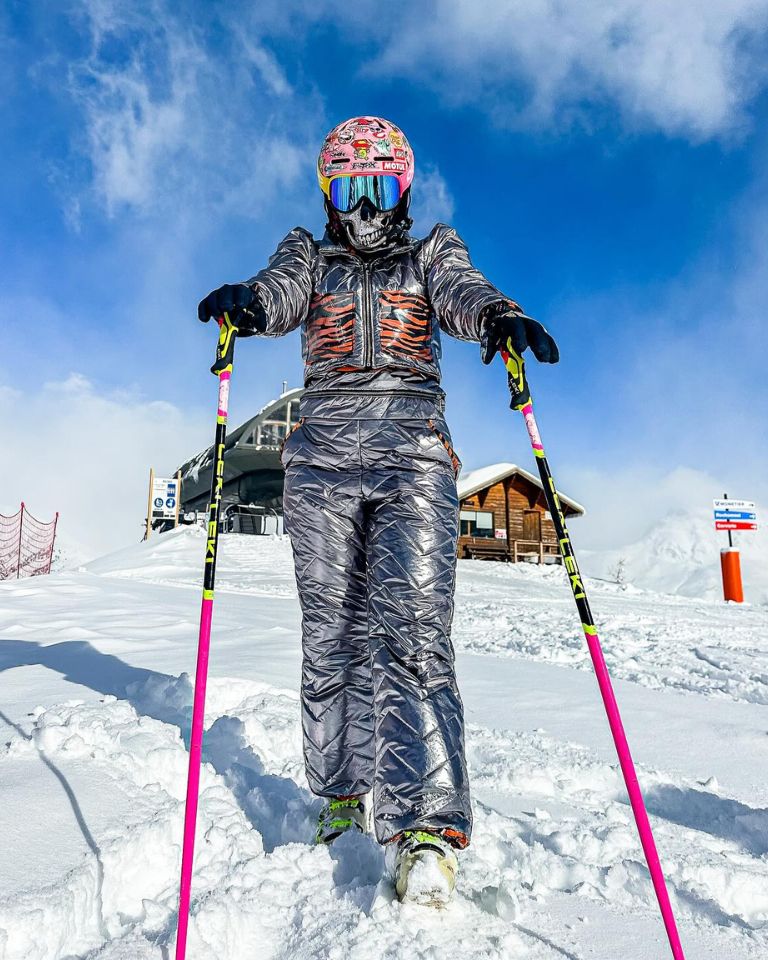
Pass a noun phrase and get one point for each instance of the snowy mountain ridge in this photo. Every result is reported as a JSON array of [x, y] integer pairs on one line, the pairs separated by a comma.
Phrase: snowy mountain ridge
[[681, 555]]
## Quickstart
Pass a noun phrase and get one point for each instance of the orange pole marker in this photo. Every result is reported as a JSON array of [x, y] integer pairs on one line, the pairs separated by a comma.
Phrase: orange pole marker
[[730, 564]]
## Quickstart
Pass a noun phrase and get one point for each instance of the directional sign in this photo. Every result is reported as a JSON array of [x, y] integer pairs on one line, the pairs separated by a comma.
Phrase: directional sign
[[734, 525], [165, 491], [734, 515], [733, 504]]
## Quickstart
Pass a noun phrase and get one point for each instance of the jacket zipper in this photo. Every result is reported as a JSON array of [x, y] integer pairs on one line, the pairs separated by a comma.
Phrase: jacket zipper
[[367, 318], [331, 392]]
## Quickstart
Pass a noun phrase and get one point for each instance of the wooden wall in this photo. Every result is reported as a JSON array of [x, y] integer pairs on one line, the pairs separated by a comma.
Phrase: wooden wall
[[510, 500]]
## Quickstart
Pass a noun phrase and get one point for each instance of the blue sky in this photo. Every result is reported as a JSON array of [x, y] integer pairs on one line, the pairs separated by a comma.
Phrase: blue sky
[[605, 164]]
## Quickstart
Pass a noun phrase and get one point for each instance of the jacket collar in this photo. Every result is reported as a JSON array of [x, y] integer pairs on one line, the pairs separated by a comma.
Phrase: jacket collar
[[331, 248]]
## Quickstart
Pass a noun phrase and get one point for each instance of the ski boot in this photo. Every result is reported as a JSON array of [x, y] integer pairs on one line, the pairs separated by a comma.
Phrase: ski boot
[[423, 866], [338, 815]]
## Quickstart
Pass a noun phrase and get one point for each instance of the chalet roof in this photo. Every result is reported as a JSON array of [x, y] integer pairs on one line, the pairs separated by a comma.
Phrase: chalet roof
[[486, 476]]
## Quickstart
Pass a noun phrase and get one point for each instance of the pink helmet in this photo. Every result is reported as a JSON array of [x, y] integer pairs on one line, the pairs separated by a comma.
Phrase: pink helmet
[[365, 145]]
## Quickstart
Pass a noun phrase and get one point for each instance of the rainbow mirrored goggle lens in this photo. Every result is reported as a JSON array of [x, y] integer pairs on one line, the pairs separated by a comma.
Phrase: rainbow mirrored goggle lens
[[382, 189]]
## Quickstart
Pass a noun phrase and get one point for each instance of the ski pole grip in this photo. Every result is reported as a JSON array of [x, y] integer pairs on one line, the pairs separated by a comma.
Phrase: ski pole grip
[[225, 348], [517, 381]]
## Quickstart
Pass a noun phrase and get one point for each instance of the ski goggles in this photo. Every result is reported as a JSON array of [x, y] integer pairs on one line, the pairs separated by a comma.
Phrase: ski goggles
[[382, 189]]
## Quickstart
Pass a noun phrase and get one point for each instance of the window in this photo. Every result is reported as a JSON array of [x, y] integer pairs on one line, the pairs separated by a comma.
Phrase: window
[[271, 432], [476, 523]]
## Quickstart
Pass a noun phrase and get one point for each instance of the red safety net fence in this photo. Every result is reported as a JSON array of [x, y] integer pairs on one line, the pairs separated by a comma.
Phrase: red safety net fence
[[26, 545]]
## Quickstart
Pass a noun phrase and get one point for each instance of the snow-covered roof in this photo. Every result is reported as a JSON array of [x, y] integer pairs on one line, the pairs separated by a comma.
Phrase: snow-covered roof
[[486, 476]]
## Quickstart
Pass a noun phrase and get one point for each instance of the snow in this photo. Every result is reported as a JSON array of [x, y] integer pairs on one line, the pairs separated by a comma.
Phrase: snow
[[96, 697], [681, 555]]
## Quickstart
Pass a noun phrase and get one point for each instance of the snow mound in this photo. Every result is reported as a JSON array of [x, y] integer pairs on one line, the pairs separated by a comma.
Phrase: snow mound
[[559, 827], [526, 611], [96, 694]]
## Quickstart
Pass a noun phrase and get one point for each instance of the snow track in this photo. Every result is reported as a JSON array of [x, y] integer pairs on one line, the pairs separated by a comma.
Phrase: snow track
[[696, 646], [91, 789]]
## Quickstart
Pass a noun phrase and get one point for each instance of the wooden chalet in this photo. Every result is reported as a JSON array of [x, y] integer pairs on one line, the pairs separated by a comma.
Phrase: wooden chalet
[[503, 516]]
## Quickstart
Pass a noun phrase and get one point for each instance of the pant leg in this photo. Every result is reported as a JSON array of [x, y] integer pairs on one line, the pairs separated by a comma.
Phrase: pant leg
[[421, 776], [324, 516]]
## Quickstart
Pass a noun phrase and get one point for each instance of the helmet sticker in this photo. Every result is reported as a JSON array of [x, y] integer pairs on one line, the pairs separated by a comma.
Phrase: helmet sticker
[[365, 144]]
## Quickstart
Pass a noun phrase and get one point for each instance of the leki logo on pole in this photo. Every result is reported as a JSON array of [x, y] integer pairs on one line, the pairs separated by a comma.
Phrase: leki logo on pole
[[515, 367]]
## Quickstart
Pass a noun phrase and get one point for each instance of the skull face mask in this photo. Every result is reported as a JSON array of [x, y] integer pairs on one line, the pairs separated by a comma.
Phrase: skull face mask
[[365, 227], [367, 212]]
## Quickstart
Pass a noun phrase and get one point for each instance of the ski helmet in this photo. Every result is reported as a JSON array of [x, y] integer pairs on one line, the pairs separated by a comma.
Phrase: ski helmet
[[365, 169]]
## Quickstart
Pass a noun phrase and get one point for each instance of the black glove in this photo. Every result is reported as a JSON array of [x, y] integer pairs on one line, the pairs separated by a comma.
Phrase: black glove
[[501, 323], [240, 302]]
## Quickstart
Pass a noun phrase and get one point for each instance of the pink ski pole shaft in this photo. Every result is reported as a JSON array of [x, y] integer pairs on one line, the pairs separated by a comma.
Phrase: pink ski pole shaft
[[223, 367], [521, 400]]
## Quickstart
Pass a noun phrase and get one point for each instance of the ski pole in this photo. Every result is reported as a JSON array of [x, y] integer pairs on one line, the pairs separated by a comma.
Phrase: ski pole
[[225, 352], [521, 400]]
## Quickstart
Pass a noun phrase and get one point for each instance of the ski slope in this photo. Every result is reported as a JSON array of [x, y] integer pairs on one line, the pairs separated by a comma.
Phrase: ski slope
[[95, 695]]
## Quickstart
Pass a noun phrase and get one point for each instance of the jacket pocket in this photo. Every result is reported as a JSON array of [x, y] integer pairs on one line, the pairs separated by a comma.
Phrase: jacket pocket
[[455, 462], [287, 437], [404, 322], [330, 327]]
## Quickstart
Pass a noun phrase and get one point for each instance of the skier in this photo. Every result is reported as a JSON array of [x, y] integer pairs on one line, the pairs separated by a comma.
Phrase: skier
[[370, 496]]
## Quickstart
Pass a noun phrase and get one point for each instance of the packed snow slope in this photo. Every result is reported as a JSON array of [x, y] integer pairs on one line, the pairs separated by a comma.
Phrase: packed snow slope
[[95, 694]]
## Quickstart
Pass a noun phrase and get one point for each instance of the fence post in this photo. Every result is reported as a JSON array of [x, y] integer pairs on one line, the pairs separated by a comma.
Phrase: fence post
[[21, 530], [148, 529], [53, 541], [178, 498]]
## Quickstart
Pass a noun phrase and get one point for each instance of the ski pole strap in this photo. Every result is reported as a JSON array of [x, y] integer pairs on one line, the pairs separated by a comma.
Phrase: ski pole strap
[[225, 348], [516, 379]]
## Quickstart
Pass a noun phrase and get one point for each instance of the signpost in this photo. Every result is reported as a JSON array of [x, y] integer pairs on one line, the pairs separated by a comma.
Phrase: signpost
[[164, 500], [734, 525], [733, 515]]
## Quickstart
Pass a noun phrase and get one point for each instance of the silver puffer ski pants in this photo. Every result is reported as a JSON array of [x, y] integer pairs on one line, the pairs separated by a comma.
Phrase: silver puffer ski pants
[[371, 507]]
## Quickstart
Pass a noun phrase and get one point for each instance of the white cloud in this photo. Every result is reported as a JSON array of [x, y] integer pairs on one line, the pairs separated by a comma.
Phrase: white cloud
[[432, 199], [688, 67], [623, 504], [87, 453], [268, 67], [172, 123]]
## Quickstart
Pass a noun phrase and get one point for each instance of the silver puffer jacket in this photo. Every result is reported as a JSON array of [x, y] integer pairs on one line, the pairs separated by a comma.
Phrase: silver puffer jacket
[[383, 311]]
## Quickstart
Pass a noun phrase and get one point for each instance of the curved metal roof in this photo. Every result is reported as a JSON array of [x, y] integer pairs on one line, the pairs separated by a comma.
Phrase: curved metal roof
[[246, 428], [240, 455]]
